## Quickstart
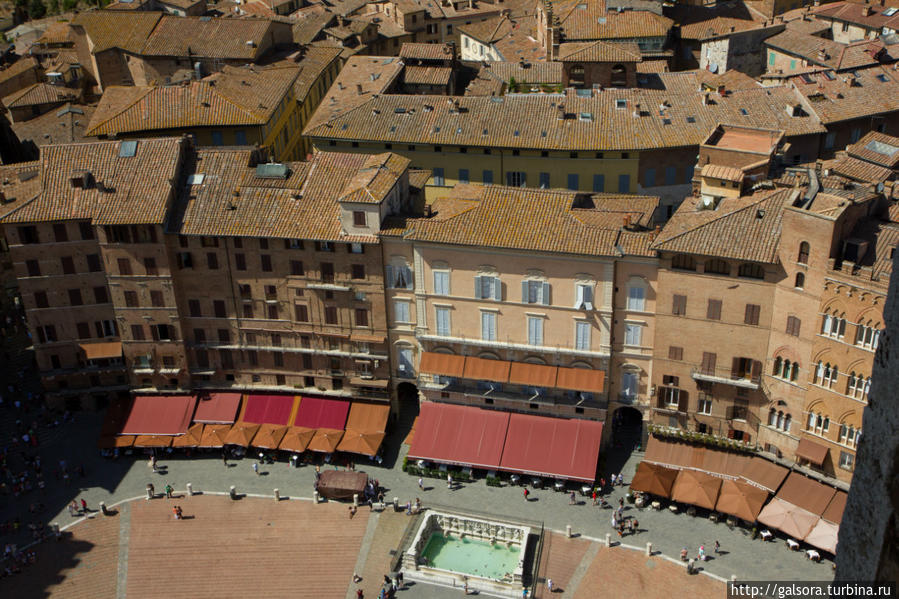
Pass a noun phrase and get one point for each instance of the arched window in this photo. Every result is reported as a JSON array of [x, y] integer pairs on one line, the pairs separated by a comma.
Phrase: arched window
[[778, 365], [834, 375], [683, 262], [803, 253], [751, 271], [619, 76], [819, 373], [794, 375], [780, 420], [576, 76], [788, 422], [718, 267], [772, 417], [800, 281]]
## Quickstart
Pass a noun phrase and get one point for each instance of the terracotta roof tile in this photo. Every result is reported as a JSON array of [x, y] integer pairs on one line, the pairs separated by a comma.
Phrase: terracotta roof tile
[[309, 23], [126, 190], [18, 67], [716, 27], [868, 15], [426, 51], [878, 148], [583, 20], [39, 93], [65, 124], [313, 62], [427, 75], [828, 53], [858, 170], [842, 97], [727, 173], [599, 51], [208, 37], [19, 183], [115, 29], [746, 228]]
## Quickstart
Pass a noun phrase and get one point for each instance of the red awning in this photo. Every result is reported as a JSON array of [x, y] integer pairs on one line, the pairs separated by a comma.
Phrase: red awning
[[459, 435], [268, 409], [315, 412], [217, 408], [160, 415], [555, 447]]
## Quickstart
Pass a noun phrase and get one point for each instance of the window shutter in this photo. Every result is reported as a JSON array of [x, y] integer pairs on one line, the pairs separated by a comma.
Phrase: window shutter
[[390, 277], [524, 292], [477, 287], [714, 310], [407, 273], [588, 297], [756, 370], [546, 301], [682, 401], [735, 367], [579, 296], [497, 289]]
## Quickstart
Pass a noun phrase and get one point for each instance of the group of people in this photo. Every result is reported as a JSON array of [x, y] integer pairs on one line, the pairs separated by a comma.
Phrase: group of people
[[701, 556]]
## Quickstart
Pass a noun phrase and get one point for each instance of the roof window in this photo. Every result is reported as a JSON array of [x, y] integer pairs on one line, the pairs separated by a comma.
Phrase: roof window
[[127, 149], [620, 104], [195, 179]]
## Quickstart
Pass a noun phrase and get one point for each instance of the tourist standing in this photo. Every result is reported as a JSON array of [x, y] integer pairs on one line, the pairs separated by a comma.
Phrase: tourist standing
[[526, 493], [549, 585], [449, 481], [83, 505], [572, 499], [421, 483], [717, 547], [594, 496], [256, 468]]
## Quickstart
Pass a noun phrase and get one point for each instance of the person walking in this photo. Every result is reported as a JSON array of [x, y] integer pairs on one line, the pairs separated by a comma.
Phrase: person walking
[[83, 505], [594, 496], [169, 489], [360, 594], [399, 580], [449, 481], [572, 499], [717, 547], [549, 585], [224, 458], [526, 493], [256, 468], [421, 483]]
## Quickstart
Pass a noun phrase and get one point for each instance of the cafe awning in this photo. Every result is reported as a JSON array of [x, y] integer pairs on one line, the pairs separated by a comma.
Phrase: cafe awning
[[806, 493], [268, 409], [442, 364], [696, 488], [654, 479], [296, 439], [214, 435], [217, 408], [554, 447], [116, 415], [360, 442], [460, 435], [316, 412], [269, 436], [103, 349], [153, 440], [671, 454], [824, 536], [365, 428], [788, 518], [115, 441], [191, 438], [763, 474], [581, 379], [159, 415], [481, 369], [741, 499], [325, 440], [834, 511], [242, 434], [532, 375], [811, 451]]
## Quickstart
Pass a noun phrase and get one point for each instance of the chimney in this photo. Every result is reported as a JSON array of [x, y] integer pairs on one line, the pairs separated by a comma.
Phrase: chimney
[[822, 54], [721, 90], [705, 98], [429, 211], [627, 221], [561, 113], [359, 89], [636, 110], [866, 11]]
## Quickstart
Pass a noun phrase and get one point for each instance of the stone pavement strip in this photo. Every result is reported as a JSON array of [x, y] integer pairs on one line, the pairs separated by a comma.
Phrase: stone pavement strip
[[561, 557], [581, 570], [124, 544]]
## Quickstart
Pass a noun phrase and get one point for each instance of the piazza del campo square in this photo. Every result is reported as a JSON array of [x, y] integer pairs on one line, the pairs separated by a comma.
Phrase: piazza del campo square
[[420, 299]]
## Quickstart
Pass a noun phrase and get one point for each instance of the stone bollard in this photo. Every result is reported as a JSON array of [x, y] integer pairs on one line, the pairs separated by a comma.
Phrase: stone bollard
[[150, 492], [568, 531], [233, 492], [396, 504], [277, 495], [356, 499], [608, 539], [649, 549], [733, 578], [190, 489], [315, 497], [103, 509]]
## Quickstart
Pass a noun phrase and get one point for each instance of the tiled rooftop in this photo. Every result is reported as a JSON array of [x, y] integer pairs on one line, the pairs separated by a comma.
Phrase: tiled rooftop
[[716, 27], [599, 51], [426, 51], [878, 148], [828, 53], [836, 97], [584, 20], [868, 15], [414, 75], [39, 93]]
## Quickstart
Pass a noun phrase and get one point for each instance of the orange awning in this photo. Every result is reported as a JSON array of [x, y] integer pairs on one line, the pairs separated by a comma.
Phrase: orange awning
[[191, 438], [153, 441], [811, 451], [480, 369], [534, 375], [325, 440], [241, 434], [442, 364], [296, 439], [106, 349], [408, 439], [214, 435], [581, 379], [269, 436], [360, 442]]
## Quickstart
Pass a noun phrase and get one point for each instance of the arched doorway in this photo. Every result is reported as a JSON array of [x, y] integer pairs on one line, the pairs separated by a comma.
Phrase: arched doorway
[[627, 428]]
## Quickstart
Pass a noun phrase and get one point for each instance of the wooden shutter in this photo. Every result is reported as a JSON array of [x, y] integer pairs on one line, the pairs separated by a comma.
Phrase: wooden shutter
[[752, 314], [477, 287], [714, 310], [735, 367], [709, 361], [524, 292], [546, 294], [675, 353], [680, 305], [682, 401], [756, 370]]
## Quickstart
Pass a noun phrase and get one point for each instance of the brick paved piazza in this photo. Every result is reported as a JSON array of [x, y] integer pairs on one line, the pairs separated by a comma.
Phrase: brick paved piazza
[[257, 547]]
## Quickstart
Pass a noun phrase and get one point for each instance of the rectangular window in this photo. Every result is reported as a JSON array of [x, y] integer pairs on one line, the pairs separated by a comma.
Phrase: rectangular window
[[240, 261], [75, 297], [516, 179], [361, 317], [162, 332], [714, 310], [101, 295], [752, 314], [401, 311], [544, 180], [488, 326], [488, 287], [573, 181], [357, 271], [441, 282], [327, 272], [679, 305], [68, 265], [675, 353], [633, 334], [266, 262], [212, 261], [624, 183], [252, 357], [93, 262], [84, 330], [217, 138], [583, 296], [670, 175], [60, 233], [599, 183], [358, 218], [199, 336], [156, 299], [301, 313], [582, 335], [273, 311], [124, 266], [28, 235], [463, 175], [438, 176], [330, 314], [650, 177], [137, 332], [535, 330], [33, 268], [296, 268], [636, 298], [40, 299], [709, 363], [87, 232], [218, 308], [278, 358], [793, 324], [224, 336], [487, 176], [443, 320], [150, 267], [772, 57], [185, 260], [131, 300], [704, 406], [829, 140]]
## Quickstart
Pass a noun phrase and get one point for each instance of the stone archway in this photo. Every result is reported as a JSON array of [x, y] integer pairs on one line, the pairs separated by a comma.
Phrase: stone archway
[[627, 428]]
